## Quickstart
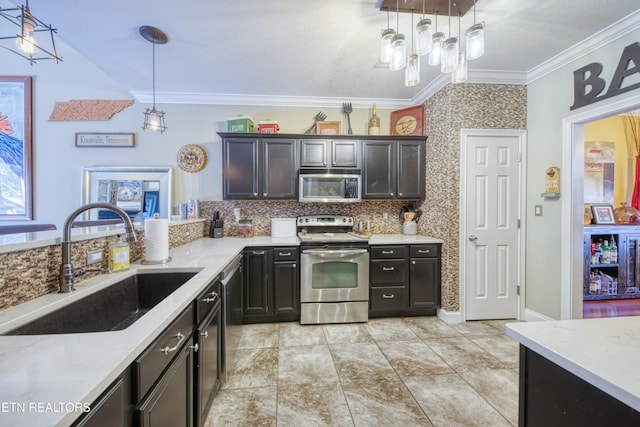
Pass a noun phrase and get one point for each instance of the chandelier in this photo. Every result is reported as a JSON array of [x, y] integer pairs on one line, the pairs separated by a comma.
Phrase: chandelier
[[153, 119], [447, 51], [27, 44]]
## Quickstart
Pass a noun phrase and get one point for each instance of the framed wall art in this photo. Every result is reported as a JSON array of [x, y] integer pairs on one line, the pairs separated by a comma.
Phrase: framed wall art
[[408, 121], [15, 149], [603, 214]]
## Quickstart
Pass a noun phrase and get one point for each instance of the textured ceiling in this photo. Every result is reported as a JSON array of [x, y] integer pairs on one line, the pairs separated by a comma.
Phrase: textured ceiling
[[303, 49]]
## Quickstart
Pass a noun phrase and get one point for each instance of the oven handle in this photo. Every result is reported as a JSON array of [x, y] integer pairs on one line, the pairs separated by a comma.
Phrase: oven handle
[[337, 253]]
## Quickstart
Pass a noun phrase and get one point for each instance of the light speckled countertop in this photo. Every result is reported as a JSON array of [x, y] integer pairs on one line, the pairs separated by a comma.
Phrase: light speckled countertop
[[76, 368], [603, 352]]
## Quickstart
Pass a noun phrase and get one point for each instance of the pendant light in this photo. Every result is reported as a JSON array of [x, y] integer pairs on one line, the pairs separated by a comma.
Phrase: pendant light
[[450, 51], [153, 119], [423, 35], [459, 75], [26, 40], [436, 45], [385, 42], [398, 46], [475, 38], [412, 70]]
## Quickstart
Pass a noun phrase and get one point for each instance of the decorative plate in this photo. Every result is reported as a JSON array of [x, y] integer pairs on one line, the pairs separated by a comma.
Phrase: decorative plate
[[408, 121], [192, 158]]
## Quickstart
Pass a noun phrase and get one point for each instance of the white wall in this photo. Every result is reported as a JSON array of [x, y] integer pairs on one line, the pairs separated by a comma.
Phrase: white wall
[[57, 162], [548, 102]]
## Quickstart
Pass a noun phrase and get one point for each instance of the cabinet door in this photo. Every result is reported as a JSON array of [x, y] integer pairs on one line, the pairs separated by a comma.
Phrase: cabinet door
[[257, 293], [240, 168], [286, 280], [207, 365], [279, 172], [170, 401], [313, 153], [109, 409], [344, 154], [424, 283], [410, 170], [631, 263], [378, 170]]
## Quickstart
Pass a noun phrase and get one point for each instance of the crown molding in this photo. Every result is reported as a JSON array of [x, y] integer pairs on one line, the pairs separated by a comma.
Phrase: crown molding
[[601, 38]]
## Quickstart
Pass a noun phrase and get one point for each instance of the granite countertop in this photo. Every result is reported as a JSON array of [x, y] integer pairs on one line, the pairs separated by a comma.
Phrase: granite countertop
[[41, 375], [603, 352]]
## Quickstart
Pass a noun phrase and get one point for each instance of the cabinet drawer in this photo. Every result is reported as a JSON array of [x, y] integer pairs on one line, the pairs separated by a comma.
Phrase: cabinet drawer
[[389, 298], [153, 361], [388, 251], [425, 251], [285, 254], [388, 271]]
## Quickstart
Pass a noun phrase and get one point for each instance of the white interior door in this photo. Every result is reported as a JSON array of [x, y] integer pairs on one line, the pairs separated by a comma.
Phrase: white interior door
[[490, 236]]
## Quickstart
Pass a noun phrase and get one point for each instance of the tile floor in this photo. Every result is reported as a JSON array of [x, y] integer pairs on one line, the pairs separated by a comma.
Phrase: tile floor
[[405, 372]]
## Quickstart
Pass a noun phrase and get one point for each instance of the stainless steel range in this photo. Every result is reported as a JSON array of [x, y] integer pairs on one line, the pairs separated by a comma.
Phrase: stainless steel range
[[334, 270]]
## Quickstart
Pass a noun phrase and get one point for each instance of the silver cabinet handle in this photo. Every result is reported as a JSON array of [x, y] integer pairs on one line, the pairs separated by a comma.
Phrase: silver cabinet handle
[[388, 296], [283, 254], [387, 252], [413, 262], [424, 251], [258, 252], [204, 334], [388, 268], [210, 298], [255, 194], [264, 194], [168, 349], [391, 194], [294, 265], [400, 194], [195, 347]]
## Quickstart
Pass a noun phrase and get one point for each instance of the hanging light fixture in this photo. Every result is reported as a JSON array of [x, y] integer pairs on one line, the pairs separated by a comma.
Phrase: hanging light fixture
[[475, 38], [412, 70], [153, 119], [459, 75], [398, 47], [436, 45], [385, 42], [450, 51], [423, 35], [26, 44]]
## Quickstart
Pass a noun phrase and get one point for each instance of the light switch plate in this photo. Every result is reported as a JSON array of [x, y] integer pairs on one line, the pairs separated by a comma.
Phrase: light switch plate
[[94, 256], [537, 210]]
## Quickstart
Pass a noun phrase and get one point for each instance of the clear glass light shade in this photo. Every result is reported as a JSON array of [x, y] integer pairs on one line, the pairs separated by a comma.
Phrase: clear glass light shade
[[412, 70], [25, 40], [385, 45], [449, 55], [460, 73], [436, 48], [154, 120], [398, 53], [475, 41], [424, 37]]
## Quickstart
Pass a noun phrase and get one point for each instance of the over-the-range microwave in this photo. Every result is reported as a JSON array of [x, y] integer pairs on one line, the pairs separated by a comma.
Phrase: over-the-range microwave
[[329, 186]]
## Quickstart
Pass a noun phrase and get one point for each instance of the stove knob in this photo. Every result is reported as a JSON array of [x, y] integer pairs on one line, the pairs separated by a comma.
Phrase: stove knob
[[306, 220], [350, 219], [344, 219]]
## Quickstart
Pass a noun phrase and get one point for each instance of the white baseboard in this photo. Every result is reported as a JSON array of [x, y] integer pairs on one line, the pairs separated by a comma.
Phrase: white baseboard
[[534, 316], [450, 316]]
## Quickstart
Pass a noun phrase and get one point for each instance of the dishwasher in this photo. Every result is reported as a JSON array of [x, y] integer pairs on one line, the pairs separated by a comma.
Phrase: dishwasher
[[231, 280]]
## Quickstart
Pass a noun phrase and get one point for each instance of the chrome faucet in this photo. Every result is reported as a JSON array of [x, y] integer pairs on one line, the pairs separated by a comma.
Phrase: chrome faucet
[[67, 273]]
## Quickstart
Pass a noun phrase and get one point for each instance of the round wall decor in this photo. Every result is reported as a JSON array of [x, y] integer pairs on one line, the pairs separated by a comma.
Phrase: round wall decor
[[192, 158]]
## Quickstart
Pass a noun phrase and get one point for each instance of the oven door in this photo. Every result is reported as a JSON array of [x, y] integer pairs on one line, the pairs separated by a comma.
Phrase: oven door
[[334, 275]]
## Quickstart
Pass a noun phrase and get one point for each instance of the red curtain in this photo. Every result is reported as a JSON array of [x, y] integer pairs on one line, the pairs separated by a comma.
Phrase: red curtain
[[635, 200]]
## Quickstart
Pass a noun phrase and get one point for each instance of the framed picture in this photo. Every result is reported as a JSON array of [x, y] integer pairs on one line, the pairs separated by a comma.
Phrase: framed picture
[[328, 128], [15, 149], [408, 121], [603, 214]]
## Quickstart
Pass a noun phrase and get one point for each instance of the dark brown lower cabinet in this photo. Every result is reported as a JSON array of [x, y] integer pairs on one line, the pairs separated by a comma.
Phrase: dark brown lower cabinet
[[170, 401], [112, 408]]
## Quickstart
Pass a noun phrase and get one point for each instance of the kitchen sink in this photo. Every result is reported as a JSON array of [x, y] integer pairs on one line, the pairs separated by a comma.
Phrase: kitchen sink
[[113, 308]]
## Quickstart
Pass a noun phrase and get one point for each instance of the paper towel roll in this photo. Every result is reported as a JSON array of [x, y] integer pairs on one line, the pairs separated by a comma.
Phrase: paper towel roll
[[156, 239]]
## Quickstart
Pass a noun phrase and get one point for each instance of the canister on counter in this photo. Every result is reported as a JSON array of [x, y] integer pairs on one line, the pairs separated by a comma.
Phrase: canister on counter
[[245, 228]]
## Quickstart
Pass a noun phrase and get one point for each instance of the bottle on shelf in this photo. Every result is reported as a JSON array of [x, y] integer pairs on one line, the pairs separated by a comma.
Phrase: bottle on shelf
[[598, 252], [594, 258], [606, 253], [594, 284], [374, 122], [614, 251]]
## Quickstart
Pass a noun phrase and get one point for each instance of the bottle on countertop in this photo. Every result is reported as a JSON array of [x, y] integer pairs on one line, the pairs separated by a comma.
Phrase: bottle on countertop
[[614, 251], [374, 122], [119, 255]]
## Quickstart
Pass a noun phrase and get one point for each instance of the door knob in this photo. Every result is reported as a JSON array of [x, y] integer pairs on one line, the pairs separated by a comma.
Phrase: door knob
[[472, 238]]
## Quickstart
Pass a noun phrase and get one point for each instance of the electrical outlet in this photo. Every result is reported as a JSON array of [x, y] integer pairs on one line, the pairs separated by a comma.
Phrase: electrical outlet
[[385, 215], [94, 257], [187, 233], [537, 210]]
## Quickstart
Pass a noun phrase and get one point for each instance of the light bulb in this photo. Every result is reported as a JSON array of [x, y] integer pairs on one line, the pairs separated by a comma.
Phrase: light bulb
[[475, 41], [154, 121], [385, 45], [436, 48], [412, 70], [398, 53], [449, 55], [424, 37], [25, 40]]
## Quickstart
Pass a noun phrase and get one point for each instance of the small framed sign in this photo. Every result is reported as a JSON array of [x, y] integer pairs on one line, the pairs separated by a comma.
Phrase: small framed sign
[[603, 214], [105, 139], [408, 121]]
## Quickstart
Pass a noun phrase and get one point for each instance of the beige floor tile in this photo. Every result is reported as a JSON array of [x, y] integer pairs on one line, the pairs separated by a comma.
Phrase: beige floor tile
[[426, 327], [413, 358], [501, 347], [449, 401], [478, 328], [389, 330], [250, 407], [254, 367], [499, 387], [259, 335], [346, 334], [314, 404], [462, 354], [295, 334], [359, 362], [305, 365]]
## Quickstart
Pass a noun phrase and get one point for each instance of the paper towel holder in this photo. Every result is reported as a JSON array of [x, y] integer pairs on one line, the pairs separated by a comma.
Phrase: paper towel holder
[[155, 262]]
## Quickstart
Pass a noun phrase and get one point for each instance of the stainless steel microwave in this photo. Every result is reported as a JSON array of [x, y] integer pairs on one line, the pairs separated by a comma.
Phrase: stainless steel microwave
[[329, 187]]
